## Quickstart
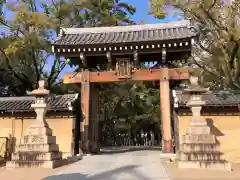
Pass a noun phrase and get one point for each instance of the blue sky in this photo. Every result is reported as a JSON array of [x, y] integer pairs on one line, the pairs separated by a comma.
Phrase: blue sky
[[142, 7]]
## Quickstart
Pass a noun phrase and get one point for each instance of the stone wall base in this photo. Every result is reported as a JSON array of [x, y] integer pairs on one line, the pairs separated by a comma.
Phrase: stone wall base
[[219, 165], [34, 164], [36, 156]]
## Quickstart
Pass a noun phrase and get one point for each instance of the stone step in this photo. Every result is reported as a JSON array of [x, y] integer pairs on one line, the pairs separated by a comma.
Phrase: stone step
[[214, 165], [200, 147], [201, 156], [33, 139], [36, 156], [198, 130], [37, 147], [198, 139], [35, 130], [34, 164]]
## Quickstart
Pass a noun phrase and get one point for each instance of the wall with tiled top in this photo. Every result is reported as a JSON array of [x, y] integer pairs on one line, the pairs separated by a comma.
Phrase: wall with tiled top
[[226, 127], [16, 126]]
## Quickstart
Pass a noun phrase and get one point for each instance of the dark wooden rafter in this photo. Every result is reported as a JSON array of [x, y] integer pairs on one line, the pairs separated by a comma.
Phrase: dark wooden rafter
[[73, 51], [164, 56], [83, 60], [136, 59], [109, 58]]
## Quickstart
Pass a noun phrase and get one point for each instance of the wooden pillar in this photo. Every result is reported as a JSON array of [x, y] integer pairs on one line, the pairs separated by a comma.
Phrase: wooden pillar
[[85, 102], [94, 119], [82, 135], [77, 129], [165, 112]]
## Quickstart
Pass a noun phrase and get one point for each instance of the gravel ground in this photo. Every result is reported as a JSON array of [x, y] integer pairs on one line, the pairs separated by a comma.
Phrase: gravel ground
[[197, 174]]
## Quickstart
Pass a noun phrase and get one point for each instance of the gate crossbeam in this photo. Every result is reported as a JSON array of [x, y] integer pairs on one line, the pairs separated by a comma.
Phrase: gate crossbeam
[[138, 75]]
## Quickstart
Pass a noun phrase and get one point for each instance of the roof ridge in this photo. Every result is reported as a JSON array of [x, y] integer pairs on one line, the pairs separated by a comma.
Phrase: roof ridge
[[213, 92], [23, 103], [138, 27], [60, 95], [14, 98], [23, 98]]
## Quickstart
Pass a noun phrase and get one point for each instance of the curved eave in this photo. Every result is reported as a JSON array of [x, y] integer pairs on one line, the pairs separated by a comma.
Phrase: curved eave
[[174, 45], [212, 106]]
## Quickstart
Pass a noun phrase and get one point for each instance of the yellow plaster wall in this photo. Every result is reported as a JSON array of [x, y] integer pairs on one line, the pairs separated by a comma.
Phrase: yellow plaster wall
[[227, 130], [61, 126], [2, 146]]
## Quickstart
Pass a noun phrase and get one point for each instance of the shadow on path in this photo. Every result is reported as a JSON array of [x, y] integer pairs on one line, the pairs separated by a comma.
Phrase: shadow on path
[[124, 149], [108, 175]]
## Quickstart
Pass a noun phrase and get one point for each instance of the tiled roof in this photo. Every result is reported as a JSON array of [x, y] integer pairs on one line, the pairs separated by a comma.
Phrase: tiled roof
[[213, 99], [125, 34], [15, 104]]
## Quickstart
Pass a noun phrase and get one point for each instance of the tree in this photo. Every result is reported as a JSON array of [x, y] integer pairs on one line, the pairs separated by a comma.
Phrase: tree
[[130, 107], [25, 45], [108, 13], [216, 51]]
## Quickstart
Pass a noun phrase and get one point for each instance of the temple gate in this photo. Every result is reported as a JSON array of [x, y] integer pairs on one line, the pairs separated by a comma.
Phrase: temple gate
[[116, 54]]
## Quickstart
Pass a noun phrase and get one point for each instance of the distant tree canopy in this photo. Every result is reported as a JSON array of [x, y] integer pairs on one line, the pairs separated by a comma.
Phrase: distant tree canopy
[[28, 28], [131, 107], [216, 50]]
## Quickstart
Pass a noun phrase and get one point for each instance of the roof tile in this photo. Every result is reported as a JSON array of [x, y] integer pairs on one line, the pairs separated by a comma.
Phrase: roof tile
[[125, 34], [56, 102], [213, 99]]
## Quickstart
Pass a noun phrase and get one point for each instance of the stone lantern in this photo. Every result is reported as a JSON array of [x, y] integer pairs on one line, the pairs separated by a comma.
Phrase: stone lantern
[[199, 148], [40, 105], [195, 103], [38, 147]]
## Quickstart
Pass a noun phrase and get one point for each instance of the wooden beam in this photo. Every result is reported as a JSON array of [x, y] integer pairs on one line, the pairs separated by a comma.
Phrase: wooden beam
[[138, 75]]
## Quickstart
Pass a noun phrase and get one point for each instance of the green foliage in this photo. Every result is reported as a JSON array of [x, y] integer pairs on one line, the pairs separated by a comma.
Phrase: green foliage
[[108, 13], [26, 45], [26, 50], [216, 50], [130, 105]]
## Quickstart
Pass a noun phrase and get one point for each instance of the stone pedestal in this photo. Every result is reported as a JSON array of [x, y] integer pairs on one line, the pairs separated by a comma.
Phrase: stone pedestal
[[199, 148], [38, 147]]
